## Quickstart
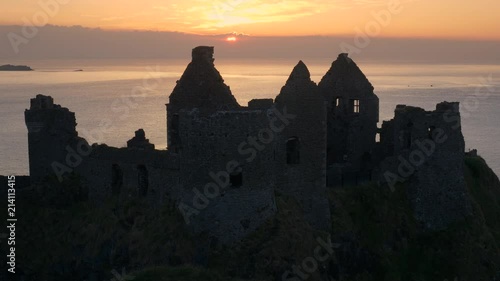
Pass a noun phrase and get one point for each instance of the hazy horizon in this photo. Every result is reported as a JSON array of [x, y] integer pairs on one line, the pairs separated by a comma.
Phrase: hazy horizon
[[57, 42]]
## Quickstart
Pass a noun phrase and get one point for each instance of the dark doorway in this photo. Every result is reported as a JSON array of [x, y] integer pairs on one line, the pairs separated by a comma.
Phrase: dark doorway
[[236, 177], [293, 151]]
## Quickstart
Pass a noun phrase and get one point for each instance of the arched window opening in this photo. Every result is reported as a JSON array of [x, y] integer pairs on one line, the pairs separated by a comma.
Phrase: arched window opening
[[431, 132], [236, 177], [293, 151], [338, 101]]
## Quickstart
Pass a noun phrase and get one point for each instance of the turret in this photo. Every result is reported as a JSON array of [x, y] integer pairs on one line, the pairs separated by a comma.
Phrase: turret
[[51, 128], [301, 148]]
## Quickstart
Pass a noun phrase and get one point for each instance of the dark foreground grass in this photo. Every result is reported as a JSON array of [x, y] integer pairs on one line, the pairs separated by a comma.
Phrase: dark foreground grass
[[373, 230]]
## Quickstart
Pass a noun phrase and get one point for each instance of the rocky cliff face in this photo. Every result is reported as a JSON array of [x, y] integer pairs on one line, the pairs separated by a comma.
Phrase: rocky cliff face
[[10, 67], [374, 237]]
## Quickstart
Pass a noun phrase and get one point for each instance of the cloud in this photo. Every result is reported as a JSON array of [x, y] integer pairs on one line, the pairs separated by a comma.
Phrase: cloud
[[226, 13], [235, 12]]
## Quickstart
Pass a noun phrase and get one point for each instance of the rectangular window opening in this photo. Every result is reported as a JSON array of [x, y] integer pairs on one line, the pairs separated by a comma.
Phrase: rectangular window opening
[[356, 106]]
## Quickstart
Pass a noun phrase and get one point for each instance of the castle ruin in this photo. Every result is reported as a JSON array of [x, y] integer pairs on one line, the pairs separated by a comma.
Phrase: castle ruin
[[225, 162]]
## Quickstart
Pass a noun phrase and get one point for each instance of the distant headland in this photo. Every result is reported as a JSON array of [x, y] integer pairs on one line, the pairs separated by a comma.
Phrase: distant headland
[[10, 67]]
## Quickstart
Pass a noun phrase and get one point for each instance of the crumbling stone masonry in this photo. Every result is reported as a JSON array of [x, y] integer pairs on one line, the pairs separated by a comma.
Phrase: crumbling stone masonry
[[225, 162], [353, 110], [426, 149]]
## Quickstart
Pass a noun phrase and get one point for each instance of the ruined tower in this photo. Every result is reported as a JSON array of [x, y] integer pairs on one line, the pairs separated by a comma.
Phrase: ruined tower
[[353, 114], [201, 86], [301, 148], [51, 128], [425, 149]]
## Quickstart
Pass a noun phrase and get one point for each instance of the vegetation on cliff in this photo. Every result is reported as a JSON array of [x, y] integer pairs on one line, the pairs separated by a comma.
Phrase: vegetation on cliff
[[373, 234], [394, 247]]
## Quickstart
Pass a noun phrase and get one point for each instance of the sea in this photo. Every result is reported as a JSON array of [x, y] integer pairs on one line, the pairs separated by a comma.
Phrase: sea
[[114, 98]]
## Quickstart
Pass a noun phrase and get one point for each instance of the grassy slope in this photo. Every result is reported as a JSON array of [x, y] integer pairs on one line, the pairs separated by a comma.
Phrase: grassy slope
[[375, 235], [382, 223], [281, 242], [98, 240]]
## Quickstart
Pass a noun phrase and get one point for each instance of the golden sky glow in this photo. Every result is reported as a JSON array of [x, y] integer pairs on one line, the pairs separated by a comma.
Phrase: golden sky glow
[[417, 18]]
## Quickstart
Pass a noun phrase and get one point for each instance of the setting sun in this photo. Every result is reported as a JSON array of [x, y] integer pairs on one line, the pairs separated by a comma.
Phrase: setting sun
[[231, 39]]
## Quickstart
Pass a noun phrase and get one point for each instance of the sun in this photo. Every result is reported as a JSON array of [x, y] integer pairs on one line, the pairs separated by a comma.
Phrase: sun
[[231, 39]]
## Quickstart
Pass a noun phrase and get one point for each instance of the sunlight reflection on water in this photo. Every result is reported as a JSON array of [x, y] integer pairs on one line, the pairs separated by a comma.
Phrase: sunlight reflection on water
[[91, 93]]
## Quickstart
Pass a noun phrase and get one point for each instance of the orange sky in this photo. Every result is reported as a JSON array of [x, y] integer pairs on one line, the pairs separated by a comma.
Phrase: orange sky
[[465, 19]]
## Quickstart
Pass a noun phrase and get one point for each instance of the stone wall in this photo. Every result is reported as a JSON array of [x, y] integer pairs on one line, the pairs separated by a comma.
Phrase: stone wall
[[353, 114], [127, 173], [425, 149], [219, 154], [301, 146], [51, 128], [260, 103]]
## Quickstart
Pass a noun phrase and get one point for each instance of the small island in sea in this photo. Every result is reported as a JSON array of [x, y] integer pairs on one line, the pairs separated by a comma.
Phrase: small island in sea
[[10, 67]]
